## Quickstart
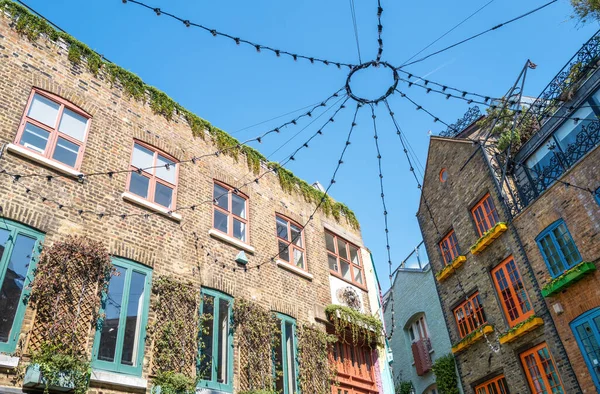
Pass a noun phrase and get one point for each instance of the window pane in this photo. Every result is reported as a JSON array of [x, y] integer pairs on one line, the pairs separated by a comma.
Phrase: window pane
[[358, 275], [220, 221], [73, 125], [296, 234], [34, 138], [223, 326], [162, 172], [66, 152], [291, 357], [43, 110], [342, 249], [238, 206], [14, 280], [206, 337], [133, 322], [282, 230], [112, 311], [332, 262], [567, 246], [298, 258], [221, 196], [239, 230], [354, 255], [345, 270], [163, 195], [329, 243], [142, 157], [139, 185], [284, 251]]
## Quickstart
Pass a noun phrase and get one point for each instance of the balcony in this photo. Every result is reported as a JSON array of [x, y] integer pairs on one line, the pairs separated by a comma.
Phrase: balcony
[[421, 350]]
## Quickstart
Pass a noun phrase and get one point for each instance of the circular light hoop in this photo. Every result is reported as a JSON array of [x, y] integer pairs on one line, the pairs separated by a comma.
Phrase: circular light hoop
[[373, 63]]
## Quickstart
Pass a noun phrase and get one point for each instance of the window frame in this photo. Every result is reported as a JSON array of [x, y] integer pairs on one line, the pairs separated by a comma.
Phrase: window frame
[[548, 231], [477, 311], [445, 242], [597, 195], [496, 381], [230, 214], [16, 229], [534, 351], [153, 179], [54, 134], [212, 383], [587, 317], [116, 366], [338, 273], [485, 220], [509, 278], [291, 245], [283, 320]]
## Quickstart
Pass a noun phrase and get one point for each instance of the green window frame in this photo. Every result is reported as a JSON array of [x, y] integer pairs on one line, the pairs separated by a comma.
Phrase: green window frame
[[130, 276], [285, 358], [215, 352], [558, 248], [16, 238]]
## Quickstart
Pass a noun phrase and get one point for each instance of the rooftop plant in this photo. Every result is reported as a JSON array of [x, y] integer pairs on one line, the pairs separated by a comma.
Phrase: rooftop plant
[[503, 128], [586, 10], [361, 328]]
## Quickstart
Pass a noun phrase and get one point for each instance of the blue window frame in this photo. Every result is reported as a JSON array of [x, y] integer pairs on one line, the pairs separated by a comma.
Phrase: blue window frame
[[285, 361], [587, 333], [19, 249], [558, 249], [215, 353], [120, 337]]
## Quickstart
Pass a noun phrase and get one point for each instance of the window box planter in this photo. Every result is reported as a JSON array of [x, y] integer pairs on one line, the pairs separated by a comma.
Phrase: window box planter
[[521, 329], [568, 277], [450, 268], [34, 379], [488, 237], [472, 338]]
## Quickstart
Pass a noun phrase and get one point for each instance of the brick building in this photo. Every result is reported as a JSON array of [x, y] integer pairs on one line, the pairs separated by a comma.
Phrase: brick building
[[63, 116]]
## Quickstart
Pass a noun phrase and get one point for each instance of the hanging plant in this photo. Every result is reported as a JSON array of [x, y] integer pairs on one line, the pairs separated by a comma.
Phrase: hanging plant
[[316, 373], [354, 327], [503, 127]]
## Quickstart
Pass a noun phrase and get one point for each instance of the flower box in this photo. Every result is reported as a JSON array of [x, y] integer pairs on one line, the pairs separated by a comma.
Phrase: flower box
[[34, 379], [488, 237], [472, 338], [568, 278], [521, 329], [449, 269]]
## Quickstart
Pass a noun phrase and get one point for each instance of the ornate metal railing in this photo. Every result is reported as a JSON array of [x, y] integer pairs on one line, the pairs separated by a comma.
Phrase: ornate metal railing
[[468, 118]]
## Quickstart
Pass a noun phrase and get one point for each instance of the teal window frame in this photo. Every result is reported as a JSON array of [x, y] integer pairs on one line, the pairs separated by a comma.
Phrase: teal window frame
[[284, 356], [588, 317], [116, 366], [213, 383], [548, 233], [15, 230]]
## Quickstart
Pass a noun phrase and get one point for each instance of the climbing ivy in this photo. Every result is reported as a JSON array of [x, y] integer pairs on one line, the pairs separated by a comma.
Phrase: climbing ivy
[[404, 387], [362, 329], [445, 375], [316, 372]]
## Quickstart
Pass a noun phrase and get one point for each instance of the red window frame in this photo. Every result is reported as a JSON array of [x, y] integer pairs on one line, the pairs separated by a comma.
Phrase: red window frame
[[449, 247], [291, 245], [469, 315], [511, 291], [485, 214], [496, 385], [153, 178], [53, 130], [229, 212], [347, 260], [539, 364]]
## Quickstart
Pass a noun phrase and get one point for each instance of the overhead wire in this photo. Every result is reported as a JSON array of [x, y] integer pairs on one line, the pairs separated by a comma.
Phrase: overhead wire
[[355, 27], [274, 118]]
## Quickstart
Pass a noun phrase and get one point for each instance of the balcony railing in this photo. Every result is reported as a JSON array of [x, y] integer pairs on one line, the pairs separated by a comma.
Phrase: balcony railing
[[421, 353], [472, 114]]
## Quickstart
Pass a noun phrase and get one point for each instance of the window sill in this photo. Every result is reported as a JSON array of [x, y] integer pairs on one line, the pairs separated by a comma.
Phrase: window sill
[[24, 152], [295, 270], [357, 285], [9, 362], [127, 196], [230, 240], [118, 379]]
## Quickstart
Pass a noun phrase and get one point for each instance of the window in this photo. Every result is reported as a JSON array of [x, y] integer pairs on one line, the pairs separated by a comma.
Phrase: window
[[54, 128], [344, 259], [19, 246], [485, 215], [469, 315], [558, 249], [153, 175], [290, 242], [420, 345], [541, 371], [512, 293], [119, 341], [449, 247], [215, 366], [285, 357], [587, 333], [230, 209], [418, 329], [443, 175], [494, 386]]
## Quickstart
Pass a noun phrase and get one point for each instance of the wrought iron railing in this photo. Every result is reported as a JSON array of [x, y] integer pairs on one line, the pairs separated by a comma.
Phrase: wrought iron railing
[[468, 118]]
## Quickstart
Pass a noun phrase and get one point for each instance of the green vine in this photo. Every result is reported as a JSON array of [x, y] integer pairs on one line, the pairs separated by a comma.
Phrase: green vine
[[363, 329], [518, 326], [404, 387], [62, 370], [486, 234], [316, 372], [554, 281], [173, 383], [33, 27], [467, 338], [586, 10], [444, 369]]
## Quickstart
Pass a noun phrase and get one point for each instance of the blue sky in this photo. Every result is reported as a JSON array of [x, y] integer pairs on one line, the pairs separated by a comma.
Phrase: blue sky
[[235, 87]]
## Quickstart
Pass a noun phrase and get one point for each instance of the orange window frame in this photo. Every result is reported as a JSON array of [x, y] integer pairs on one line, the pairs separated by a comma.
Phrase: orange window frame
[[347, 260], [511, 291], [291, 245], [53, 129], [485, 215], [496, 385], [229, 212], [449, 247], [469, 315], [533, 364]]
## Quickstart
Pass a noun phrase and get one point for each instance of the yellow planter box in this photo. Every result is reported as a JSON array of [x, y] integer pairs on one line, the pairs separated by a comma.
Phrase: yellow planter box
[[488, 238], [449, 269], [524, 328], [468, 341]]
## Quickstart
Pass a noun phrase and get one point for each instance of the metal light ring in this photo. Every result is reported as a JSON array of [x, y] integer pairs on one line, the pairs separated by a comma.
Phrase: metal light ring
[[362, 66]]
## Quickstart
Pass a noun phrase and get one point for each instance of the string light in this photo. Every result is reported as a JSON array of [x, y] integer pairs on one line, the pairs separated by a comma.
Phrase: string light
[[379, 31], [420, 107], [428, 89]]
